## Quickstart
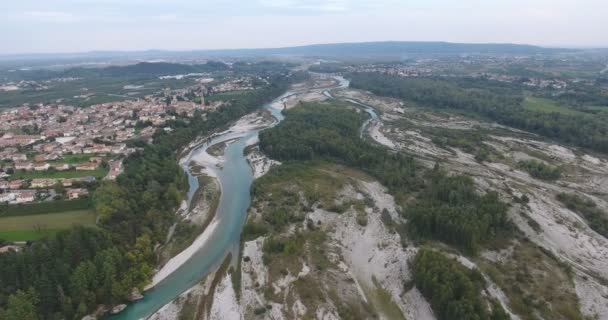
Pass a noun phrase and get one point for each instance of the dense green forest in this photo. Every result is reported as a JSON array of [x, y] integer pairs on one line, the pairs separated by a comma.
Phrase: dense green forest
[[498, 102], [449, 209], [69, 275], [453, 291]]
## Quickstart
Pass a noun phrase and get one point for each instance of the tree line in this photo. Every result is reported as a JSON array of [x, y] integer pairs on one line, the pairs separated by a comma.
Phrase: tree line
[[495, 102]]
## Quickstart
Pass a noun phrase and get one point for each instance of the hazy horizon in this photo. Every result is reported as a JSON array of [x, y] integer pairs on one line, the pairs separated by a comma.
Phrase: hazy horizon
[[280, 47], [71, 26]]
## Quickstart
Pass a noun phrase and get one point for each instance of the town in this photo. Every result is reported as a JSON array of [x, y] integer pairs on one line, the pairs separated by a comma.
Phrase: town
[[58, 152]]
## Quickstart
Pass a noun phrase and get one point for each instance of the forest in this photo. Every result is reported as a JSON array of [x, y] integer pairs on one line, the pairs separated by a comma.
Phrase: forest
[[67, 276], [450, 209], [482, 98], [315, 131], [453, 291]]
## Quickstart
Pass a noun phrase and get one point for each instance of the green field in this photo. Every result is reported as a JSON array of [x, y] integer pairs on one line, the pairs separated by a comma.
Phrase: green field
[[548, 106], [33, 227], [99, 174], [102, 90], [75, 158], [597, 108]]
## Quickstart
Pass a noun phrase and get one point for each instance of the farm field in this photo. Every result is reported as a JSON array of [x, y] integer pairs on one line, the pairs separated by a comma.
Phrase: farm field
[[32, 227], [548, 106]]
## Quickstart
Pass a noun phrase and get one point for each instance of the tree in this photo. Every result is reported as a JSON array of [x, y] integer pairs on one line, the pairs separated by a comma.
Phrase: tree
[[59, 189], [22, 306]]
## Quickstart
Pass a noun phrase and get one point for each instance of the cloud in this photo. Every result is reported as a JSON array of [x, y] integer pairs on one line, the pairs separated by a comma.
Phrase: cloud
[[308, 5], [51, 16]]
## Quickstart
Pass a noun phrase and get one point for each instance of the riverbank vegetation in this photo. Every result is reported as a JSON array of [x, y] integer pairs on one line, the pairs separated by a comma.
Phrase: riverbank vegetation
[[535, 281], [446, 208], [73, 272], [314, 131], [499, 102], [436, 206], [540, 170]]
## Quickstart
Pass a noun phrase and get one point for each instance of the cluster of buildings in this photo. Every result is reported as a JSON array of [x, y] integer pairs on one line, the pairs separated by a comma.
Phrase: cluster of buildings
[[558, 84], [36, 139], [41, 138], [399, 70], [237, 84]]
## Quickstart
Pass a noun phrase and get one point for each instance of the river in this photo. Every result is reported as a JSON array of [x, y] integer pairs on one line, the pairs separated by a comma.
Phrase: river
[[235, 179]]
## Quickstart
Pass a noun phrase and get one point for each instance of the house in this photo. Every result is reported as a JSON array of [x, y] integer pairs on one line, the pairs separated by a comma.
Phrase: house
[[76, 193], [95, 159], [18, 157], [43, 166], [16, 184], [9, 248], [87, 166], [43, 183], [23, 196], [23, 166], [115, 169], [7, 197], [61, 166], [4, 184]]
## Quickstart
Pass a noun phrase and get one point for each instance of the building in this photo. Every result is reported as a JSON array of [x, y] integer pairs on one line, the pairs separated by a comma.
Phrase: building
[[43, 166], [87, 166], [23, 196], [7, 197], [61, 166], [43, 183], [76, 193], [115, 169], [9, 248], [24, 166], [16, 184]]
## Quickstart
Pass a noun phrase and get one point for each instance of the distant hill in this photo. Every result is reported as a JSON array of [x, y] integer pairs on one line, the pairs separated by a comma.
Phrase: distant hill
[[394, 48], [142, 69], [363, 49]]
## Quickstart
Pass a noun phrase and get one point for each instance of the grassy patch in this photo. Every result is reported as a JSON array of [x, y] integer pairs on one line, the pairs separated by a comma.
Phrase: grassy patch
[[595, 217], [26, 235], [596, 108], [282, 189], [33, 227], [535, 283], [548, 106], [75, 158], [44, 207], [384, 303]]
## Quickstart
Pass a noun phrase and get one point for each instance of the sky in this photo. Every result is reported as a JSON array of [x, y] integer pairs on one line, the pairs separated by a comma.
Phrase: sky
[[37, 26]]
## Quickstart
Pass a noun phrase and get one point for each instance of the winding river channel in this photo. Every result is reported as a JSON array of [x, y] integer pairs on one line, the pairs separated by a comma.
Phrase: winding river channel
[[235, 178]]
